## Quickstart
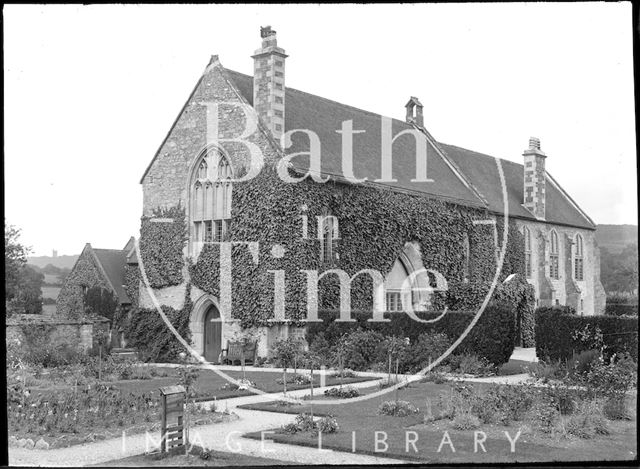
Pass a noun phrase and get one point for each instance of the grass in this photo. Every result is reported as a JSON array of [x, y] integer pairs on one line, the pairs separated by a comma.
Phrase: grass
[[361, 419], [209, 385], [216, 459], [514, 367]]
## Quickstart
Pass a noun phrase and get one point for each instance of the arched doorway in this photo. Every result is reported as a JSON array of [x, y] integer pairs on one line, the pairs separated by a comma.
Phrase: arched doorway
[[212, 335]]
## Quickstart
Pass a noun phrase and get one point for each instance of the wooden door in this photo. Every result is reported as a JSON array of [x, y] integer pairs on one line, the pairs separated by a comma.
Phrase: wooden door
[[212, 335]]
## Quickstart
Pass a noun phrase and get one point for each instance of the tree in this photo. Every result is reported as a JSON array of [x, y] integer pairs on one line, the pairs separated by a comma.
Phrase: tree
[[15, 258], [29, 290], [285, 353]]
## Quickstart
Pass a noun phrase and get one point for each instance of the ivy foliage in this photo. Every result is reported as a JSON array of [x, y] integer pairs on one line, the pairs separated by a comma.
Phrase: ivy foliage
[[100, 301], [162, 240], [374, 226], [148, 333]]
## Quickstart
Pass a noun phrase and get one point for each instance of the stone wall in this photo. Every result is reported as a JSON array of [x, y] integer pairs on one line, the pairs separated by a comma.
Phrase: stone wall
[[77, 334], [587, 295]]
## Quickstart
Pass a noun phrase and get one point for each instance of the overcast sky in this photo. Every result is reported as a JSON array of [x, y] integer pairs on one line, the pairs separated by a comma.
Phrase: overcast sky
[[91, 91]]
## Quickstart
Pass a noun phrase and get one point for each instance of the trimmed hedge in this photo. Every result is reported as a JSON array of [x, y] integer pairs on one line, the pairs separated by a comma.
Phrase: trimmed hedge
[[618, 305], [554, 327], [493, 337]]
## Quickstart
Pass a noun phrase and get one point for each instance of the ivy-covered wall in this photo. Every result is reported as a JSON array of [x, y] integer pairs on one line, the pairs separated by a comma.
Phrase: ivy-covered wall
[[374, 225], [162, 240], [70, 301]]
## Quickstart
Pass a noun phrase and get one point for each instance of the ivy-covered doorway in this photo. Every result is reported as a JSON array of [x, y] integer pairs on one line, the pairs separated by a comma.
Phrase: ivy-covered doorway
[[212, 335]]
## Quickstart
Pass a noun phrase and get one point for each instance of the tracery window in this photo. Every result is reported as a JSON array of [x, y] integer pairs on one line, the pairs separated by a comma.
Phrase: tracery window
[[578, 264], [527, 251], [211, 198]]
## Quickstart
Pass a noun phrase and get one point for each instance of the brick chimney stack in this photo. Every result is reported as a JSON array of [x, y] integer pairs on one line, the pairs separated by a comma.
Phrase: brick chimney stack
[[534, 179], [414, 111], [268, 82]]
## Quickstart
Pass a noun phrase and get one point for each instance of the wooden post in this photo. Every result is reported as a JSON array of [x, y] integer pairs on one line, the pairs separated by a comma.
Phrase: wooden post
[[163, 428]]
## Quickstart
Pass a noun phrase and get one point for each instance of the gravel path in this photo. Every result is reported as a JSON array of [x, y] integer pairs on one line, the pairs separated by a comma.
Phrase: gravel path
[[221, 437]]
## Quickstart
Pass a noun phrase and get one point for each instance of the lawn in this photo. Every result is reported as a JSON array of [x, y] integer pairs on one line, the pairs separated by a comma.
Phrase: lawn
[[359, 422], [215, 459], [211, 386]]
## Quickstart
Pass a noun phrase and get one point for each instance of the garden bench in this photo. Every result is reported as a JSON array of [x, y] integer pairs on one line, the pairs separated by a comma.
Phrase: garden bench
[[233, 353]]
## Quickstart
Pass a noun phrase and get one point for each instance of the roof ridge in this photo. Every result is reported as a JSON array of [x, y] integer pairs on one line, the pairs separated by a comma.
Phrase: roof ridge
[[482, 154], [371, 113]]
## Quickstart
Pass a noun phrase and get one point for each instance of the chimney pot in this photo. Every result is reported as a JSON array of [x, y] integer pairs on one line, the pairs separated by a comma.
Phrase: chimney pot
[[534, 143]]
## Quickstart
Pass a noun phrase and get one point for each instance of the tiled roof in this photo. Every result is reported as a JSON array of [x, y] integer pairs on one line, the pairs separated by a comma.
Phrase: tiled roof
[[481, 169], [324, 117], [113, 262]]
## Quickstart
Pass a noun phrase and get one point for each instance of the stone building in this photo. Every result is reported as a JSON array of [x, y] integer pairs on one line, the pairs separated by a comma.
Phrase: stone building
[[206, 165]]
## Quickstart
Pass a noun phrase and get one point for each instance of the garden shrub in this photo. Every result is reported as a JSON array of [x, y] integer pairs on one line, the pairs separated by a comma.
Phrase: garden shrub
[[473, 365], [556, 338], [327, 424], [360, 348], [295, 379], [465, 421], [303, 423], [493, 336], [514, 401], [564, 398], [543, 415], [621, 305], [548, 370], [615, 408], [588, 422], [344, 393], [397, 408], [611, 380], [428, 347], [583, 362]]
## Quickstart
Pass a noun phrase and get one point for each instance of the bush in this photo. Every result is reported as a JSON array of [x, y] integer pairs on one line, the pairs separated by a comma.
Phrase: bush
[[543, 415], [615, 408], [548, 370], [613, 379], [555, 338], [493, 336], [360, 349], [620, 305], [344, 393], [582, 363], [465, 421], [565, 399], [514, 401], [428, 348], [327, 424], [587, 423], [473, 365], [397, 408]]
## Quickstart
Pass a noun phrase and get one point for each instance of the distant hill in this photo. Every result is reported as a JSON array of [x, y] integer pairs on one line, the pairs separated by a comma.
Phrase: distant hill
[[615, 237], [59, 261]]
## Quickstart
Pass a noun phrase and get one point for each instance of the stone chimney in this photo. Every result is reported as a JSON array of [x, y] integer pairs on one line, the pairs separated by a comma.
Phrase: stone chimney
[[534, 179], [414, 111], [268, 82]]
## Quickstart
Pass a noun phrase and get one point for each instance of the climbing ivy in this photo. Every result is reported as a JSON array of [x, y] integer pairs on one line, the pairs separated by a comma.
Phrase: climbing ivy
[[150, 335], [162, 240], [374, 226], [100, 301]]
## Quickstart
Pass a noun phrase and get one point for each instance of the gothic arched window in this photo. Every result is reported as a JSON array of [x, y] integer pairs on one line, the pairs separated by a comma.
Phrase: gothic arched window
[[554, 257], [527, 251], [211, 198], [578, 265], [329, 235]]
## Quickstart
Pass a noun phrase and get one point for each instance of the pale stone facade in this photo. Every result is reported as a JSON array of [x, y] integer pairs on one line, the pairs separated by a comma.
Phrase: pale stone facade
[[587, 296]]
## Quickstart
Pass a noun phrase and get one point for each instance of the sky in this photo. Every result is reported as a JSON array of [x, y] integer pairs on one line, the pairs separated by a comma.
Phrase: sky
[[91, 91]]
